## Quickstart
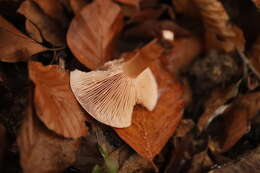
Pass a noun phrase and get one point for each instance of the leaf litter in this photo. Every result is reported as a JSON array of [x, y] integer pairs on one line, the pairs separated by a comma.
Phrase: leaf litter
[[207, 115]]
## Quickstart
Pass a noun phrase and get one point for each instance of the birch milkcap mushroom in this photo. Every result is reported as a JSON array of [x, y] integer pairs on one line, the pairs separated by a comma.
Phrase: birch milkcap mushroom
[[110, 93]]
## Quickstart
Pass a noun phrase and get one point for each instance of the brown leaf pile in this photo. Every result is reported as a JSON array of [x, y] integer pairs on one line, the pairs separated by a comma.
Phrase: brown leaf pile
[[207, 112]]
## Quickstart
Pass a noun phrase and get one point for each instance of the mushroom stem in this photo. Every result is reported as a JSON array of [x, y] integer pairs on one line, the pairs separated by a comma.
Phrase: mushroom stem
[[142, 59]]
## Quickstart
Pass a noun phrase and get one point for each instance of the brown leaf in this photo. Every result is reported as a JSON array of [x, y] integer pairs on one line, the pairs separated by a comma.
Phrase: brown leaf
[[254, 60], [145, 135], [257, 3], [184, 127], [215, 104], [55, 103], [135, 163], [134, 3], [50, 30], [201, 162], [236, 121], [77, 5], [248, 163], [33, 31], [179, 58], [220, 34], [16, 46], [42, 151], [92, 32], [54, 10]]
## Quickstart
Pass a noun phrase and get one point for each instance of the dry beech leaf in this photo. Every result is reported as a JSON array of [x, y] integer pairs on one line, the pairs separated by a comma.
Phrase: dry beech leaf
[[135, 163], [248, 163], [49, 28], [254, 60], [134, 3], [145, 135], [220, 34], [41, 150], [16, 46], [179, 58], [236, 121], [215, 105], [77, 5], [54, 101], [54, 10], [200, 162], [92, 32], [33, 31]]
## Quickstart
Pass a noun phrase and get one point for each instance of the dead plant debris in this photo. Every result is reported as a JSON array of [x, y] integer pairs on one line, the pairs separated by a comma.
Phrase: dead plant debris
[[129, 86]]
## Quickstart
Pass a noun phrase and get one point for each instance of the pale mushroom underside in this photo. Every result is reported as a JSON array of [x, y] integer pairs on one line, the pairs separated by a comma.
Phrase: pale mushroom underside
[[109, 95]]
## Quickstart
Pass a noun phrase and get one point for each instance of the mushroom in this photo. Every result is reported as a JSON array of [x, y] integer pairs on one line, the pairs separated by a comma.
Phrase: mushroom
[[110, 93]]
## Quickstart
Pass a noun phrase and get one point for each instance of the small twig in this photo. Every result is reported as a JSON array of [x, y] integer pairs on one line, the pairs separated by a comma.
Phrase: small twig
[[247, 62]]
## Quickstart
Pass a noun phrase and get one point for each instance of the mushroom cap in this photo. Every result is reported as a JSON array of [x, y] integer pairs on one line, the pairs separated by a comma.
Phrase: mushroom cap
[[109, 95]]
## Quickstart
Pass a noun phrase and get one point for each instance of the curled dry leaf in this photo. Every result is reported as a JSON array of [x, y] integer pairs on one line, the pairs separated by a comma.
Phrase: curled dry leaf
[[215, 105], [254, 60], [54, 102], [220, 34], [179, 58], [145, 134], [201, 162], [41, 150], [54, 10], [16, 46], [135, 163], [92, 32], [77, 5], [236, 122], [33, 31], [248, 163], [50, 30]]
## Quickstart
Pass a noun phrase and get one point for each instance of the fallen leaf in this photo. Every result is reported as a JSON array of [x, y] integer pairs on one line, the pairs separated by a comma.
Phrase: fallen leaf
[[41, 150], [54, 101], [77, 5], [134, 3], [219, 34], [181, 155], [248, 163], [254, 58], [92, 32], [178, 59], [145, 135], [201, 162], [215, 105], [135, 163], [54, 10], [33, 31], [257, 3], [235, 122], [184, 127], [50, 30], [16, 46], [2, 144]]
